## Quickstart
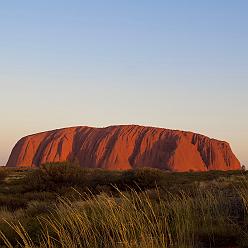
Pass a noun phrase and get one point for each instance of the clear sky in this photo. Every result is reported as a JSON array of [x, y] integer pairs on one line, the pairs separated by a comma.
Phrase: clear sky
[[174, 64]]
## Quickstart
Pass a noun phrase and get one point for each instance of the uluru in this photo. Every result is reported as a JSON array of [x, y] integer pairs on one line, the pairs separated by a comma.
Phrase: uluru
[[125, 147]]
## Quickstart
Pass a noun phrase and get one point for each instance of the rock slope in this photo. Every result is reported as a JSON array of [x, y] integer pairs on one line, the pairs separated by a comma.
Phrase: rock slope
[[125, 147]]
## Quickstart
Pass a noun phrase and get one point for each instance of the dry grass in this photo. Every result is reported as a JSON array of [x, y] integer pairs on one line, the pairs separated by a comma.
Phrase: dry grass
[[141, 208], [132, 220]]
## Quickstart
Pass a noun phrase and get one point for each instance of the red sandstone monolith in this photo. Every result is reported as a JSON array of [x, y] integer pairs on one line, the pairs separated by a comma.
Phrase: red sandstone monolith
[[125, 147]]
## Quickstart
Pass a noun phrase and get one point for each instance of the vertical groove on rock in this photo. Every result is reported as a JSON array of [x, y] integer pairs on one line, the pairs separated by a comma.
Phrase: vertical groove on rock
[[39, 153], [138, 142]]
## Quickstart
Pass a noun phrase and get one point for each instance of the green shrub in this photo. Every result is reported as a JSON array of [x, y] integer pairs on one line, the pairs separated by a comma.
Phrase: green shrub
[[12, 202], [142, 178], [50, 177], [4, 172]]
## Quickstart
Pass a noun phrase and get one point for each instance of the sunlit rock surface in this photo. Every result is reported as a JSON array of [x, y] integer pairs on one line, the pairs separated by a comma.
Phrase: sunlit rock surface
[[125, 147]]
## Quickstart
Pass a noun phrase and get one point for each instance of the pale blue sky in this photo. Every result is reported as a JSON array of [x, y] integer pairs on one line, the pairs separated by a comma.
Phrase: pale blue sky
[[174, 64]]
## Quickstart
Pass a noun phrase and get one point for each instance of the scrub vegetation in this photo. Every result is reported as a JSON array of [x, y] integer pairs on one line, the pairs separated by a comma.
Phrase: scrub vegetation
[[63, 205]]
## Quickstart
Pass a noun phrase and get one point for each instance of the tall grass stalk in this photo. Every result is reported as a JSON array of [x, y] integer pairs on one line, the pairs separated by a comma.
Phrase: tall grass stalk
[[147, 219]]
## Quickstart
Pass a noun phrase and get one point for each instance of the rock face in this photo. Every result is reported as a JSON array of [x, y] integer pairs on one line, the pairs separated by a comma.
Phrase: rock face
[[124, 147]]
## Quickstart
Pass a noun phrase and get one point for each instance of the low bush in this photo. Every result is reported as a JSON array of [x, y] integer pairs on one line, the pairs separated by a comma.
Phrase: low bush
[[3, 173], [12, 202]]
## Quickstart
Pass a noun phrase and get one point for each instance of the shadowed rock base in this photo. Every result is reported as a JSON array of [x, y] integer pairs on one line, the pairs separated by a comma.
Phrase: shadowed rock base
[[125, 147]]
